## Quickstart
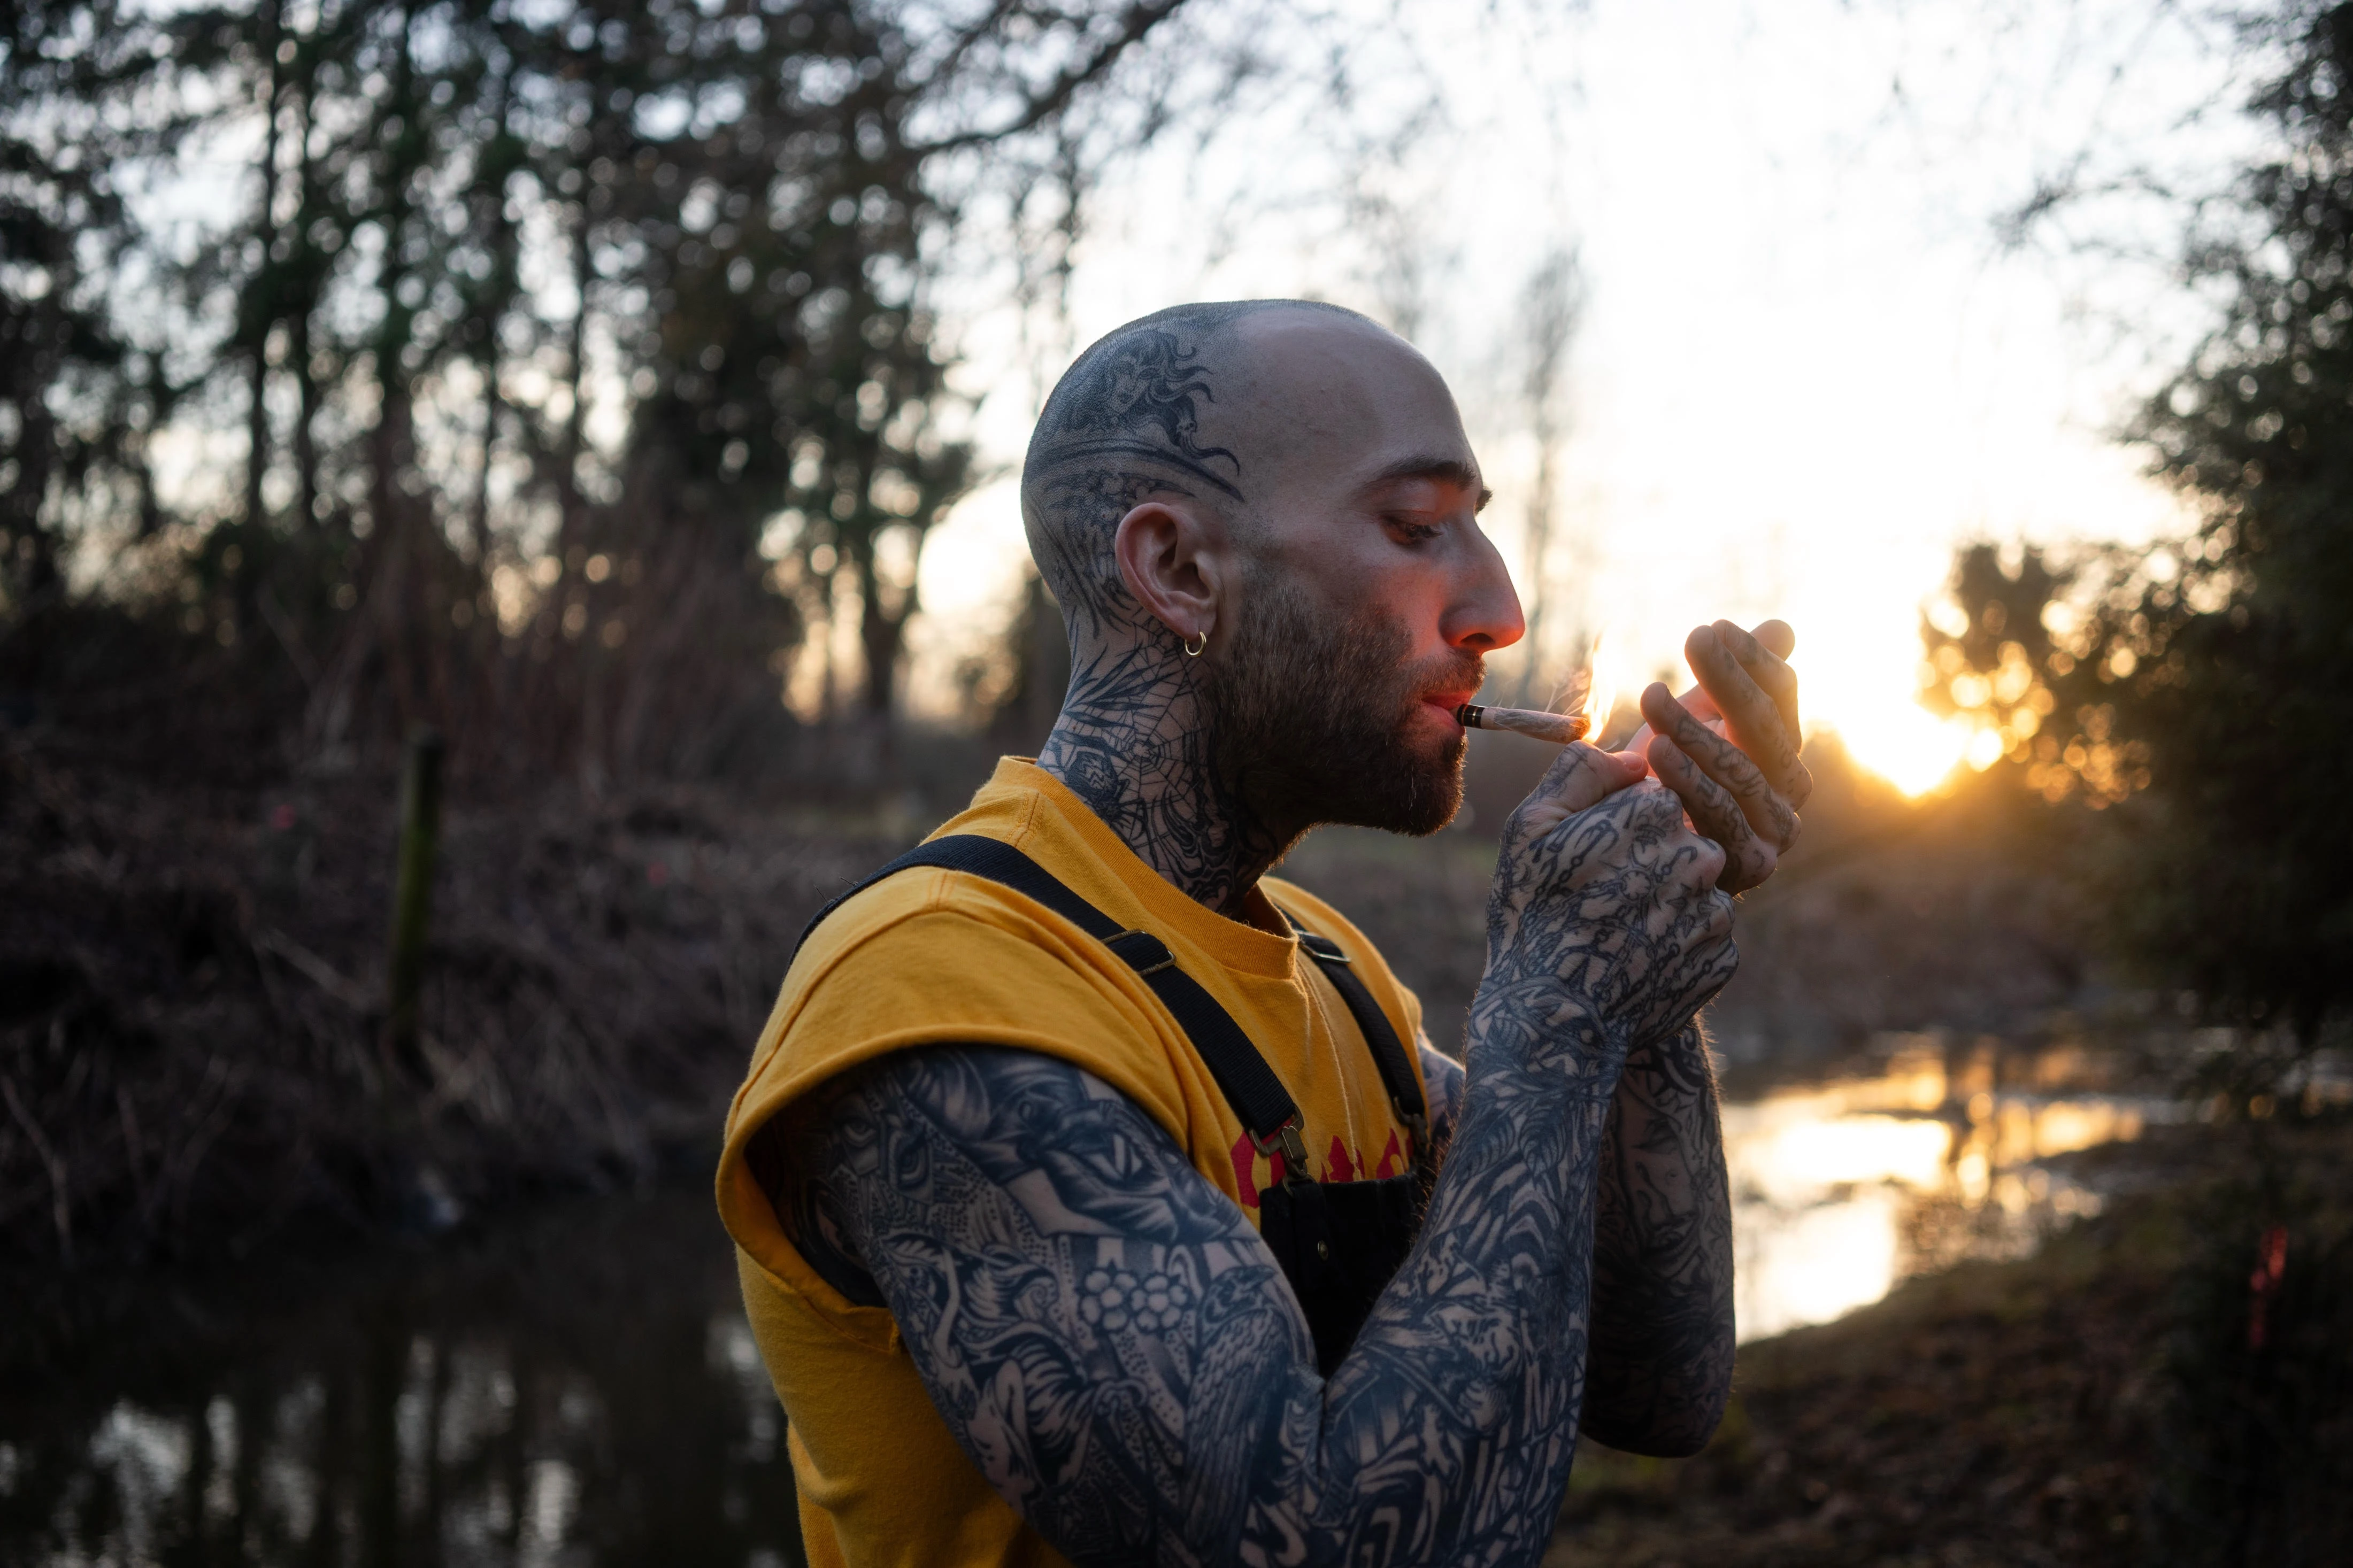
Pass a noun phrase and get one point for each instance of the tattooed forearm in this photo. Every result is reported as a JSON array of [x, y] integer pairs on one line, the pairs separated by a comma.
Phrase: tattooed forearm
[[1662, 1326]]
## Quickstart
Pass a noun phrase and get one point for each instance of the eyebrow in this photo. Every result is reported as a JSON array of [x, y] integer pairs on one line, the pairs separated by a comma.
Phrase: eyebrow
[[1447, 470]]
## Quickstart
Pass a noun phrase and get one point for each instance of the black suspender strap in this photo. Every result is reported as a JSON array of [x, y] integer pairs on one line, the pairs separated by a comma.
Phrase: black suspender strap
[[1249, 1086], [1380, 1037], [1337, 1245]]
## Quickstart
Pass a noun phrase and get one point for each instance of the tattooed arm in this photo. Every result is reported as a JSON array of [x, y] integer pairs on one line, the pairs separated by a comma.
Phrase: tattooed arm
[[1113, 1345], [1661, 1365], [1662, 1326]]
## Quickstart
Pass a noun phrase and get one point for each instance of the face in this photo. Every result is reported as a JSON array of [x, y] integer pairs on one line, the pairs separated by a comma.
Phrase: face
[[1365, 594]]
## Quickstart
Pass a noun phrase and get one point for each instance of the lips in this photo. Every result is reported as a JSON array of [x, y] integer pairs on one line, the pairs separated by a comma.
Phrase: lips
[[1446, 702]]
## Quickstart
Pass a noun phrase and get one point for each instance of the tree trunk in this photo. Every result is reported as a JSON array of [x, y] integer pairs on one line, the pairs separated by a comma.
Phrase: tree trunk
[[391, 586], [481, 521], [1550, 306], [306, 439], [574, 525], [297, 326], [257, 457], [880, 632]]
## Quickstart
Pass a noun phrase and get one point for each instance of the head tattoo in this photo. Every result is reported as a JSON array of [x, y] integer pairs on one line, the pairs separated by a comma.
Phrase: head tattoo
[[1124, 425]]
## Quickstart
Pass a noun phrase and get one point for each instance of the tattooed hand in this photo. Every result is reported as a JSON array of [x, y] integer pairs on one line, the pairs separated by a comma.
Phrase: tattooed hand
[[1743, 790], [1604, 894]]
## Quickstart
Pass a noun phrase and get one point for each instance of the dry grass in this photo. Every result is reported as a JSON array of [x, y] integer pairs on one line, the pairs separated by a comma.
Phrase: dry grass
[[189, 1056]]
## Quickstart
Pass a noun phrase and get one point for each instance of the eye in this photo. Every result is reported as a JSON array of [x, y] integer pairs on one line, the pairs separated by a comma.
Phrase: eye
[[1412, 530]]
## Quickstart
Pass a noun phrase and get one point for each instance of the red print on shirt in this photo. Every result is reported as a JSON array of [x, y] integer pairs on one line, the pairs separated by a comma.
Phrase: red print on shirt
[[1246, 1170], [1338, 1167]]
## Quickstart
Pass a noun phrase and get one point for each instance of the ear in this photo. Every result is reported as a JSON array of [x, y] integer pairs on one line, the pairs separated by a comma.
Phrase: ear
[[1173, 561]]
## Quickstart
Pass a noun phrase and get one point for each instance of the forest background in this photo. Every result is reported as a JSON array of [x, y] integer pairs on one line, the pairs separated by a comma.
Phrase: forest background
[[578, 381]]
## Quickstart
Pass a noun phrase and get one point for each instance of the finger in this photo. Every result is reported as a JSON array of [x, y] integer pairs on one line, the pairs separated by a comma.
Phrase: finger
[[1747, 860], [1697, 700], [1767, 666], [1694, 702], [1693, 698], [1776, 641], [1728, 764], [1756, 718]]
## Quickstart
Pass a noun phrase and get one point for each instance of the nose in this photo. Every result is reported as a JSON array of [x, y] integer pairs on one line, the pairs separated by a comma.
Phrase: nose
[[1482, 608]]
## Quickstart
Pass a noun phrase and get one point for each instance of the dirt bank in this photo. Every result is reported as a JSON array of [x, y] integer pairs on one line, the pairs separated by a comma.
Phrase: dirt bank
[[2099, 1402]]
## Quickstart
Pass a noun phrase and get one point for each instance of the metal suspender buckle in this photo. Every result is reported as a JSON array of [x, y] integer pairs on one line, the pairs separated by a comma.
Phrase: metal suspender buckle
[[1150, 954], [1417, 1127], [1287, 1142]]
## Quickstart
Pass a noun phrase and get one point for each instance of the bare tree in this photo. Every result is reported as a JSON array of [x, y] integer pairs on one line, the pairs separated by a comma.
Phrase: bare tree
[[1551, 306]]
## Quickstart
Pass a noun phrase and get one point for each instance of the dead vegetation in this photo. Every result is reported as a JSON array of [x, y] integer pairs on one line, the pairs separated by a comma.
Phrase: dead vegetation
[[191, 973], [190, 1001]]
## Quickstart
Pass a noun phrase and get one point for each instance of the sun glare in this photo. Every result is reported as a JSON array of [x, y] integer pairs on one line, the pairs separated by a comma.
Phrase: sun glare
[[1902, 743]]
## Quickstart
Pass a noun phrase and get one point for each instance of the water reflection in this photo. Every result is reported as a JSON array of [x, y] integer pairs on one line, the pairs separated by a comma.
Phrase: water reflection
[[1840, 1191], [583, 1392]]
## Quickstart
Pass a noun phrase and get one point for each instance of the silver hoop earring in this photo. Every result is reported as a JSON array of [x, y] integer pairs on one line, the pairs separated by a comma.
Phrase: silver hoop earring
[[1200, 640]]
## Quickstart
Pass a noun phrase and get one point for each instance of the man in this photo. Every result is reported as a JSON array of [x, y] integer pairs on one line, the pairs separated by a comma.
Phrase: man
[[1038, 1274]]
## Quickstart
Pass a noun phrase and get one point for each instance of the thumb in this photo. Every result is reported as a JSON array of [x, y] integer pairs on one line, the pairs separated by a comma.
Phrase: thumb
[[1581, 777]]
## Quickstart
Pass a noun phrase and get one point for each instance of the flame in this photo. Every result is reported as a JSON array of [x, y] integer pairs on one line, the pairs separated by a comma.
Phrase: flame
[[1591, 691]]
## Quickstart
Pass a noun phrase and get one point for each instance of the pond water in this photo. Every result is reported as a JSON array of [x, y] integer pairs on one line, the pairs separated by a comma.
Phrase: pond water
[[580, 1390], [1839, 1192], [576, 1390]]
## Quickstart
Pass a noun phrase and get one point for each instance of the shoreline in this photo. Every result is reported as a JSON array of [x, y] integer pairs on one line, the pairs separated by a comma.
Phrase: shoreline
[[2031, 1411]]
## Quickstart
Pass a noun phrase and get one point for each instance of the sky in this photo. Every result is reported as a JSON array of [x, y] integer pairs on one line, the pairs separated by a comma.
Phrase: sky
[[1806, 367]]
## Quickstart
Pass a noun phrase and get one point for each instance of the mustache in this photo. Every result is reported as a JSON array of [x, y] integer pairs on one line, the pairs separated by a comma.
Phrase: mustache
[[1457, 671]]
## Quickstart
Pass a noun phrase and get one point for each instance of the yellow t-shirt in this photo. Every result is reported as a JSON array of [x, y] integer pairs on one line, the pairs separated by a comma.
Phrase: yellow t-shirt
[[931, 956]]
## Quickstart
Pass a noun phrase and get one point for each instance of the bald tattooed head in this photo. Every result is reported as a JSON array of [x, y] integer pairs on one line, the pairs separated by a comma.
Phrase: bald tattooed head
[[1303, 711], [1139, 416]]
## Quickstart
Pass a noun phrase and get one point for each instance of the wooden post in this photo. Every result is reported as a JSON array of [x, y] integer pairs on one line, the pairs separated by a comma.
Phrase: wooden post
[[412, 899]]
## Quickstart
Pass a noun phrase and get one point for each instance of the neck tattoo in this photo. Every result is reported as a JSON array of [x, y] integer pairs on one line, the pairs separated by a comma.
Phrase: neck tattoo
[[1136, 742]]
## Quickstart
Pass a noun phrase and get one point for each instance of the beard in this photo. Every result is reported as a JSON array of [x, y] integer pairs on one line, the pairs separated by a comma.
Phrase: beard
[[1314, 718]]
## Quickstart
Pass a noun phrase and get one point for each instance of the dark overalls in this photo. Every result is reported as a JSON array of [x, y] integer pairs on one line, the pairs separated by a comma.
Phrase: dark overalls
[[1338, 1242]]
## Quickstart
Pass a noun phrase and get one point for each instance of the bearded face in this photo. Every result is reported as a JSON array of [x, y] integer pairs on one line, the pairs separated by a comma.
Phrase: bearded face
[[1316, 713]]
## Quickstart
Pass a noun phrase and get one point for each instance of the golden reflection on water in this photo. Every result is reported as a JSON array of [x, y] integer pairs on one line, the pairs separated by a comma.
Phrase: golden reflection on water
[[1838, 1193]]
